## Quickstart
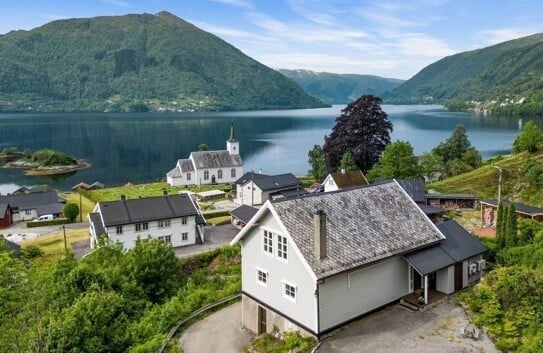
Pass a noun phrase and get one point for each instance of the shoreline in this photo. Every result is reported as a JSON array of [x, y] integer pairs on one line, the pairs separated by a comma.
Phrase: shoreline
[[56, 170]]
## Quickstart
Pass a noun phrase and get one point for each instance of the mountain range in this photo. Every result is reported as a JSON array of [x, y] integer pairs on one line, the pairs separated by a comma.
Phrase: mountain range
[[135, 62], [340, 88], [505, 78]]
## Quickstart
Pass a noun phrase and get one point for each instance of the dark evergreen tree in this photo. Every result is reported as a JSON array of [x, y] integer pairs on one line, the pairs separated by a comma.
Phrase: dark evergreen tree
[[363, 129], [511, 228], [500, 221]]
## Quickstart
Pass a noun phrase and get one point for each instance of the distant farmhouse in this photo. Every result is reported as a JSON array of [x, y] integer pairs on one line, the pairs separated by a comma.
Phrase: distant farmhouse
[[25, 207], [175, 219], [343, 180], [314, 263], [256, 188], [209, 167]]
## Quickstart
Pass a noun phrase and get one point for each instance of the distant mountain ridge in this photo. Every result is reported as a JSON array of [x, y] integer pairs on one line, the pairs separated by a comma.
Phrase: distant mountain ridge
[[340, 88], [135, 62], [504, 78]]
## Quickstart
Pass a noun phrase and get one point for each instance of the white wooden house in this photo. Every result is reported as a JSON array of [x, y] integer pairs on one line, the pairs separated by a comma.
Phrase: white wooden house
[[175, 219], [316, 262]]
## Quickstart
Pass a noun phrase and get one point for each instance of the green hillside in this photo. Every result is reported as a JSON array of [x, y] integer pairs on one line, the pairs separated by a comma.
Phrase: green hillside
[[137, 63], [497, 77], [483, 181], [340, 88]]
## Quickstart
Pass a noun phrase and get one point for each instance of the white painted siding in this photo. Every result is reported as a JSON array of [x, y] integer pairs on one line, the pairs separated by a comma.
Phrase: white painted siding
[[330, 184], [175, 230], [303, 309], [249, 194], [348, 295], [445, 280], [198, 175], [25, 215]]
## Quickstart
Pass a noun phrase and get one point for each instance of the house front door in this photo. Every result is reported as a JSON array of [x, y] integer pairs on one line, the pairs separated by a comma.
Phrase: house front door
[[213, 179], [458, 276], [262, 321], [417, 283]]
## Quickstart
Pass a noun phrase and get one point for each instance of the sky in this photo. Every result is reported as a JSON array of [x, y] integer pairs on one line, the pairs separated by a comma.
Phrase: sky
[[381, 37]]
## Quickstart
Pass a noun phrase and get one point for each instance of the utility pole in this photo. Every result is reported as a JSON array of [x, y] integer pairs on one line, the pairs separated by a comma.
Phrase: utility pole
[[499, 183], [80, 207], [64, 231]]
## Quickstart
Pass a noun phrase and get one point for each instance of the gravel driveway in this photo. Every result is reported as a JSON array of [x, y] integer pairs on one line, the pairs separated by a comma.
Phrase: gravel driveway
[[395, 329]]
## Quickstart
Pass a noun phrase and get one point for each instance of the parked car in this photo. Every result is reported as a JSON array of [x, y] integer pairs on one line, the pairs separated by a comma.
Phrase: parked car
[[45, 217]]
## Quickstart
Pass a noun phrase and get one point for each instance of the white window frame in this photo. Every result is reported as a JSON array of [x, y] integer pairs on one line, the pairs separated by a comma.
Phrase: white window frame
[[188, 176], [285, 289], [219, 174], [184, 220], [267, 235], [119, 229], [233, 173], [145, 226], [281, 252], [260, 273], [185, 236], [206, 174], [137, 227], [166, 239]]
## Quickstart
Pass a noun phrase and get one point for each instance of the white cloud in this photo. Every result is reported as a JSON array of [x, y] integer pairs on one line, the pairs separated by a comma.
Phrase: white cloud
[[315, 11], [422, 45], [119, 3], [498, 35], [244, 4]]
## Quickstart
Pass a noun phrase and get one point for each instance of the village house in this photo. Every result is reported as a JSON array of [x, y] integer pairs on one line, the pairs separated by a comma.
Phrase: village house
[[29, 206], [344, 179], [174, 219], [489, 211], [209, 167], [316, 262], [241, 215], [256, 188], [6, 215]]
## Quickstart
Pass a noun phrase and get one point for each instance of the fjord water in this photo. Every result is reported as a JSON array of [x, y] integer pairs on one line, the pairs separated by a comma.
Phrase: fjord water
[[142, 147]]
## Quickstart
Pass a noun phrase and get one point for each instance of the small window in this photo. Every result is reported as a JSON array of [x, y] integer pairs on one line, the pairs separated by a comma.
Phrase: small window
[[290, 291], [206, 174], [119, 229], [28, 212], [184, 220], [282, 247], [233, 172], [219, 174], [138, 227], [185, 236], [145, 226], [163, 223], [268, 242], [167, 239], [262, 277], [188, 176]]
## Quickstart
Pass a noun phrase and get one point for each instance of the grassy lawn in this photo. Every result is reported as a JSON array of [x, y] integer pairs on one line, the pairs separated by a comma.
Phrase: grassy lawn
[[86, 204], [146, 190], [53, 244]]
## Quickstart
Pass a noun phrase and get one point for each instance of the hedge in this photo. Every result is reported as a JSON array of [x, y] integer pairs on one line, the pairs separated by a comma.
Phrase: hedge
[[52, 222]]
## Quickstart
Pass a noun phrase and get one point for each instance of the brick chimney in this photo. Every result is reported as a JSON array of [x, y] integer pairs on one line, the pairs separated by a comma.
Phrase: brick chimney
[[319, 234]]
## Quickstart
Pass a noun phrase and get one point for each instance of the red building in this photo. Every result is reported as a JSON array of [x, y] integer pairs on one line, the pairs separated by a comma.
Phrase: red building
[[6, 215]]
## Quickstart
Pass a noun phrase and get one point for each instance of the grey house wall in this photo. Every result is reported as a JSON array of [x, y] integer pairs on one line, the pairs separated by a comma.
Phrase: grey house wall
[[445, 280], [348, 295], [304, 309]]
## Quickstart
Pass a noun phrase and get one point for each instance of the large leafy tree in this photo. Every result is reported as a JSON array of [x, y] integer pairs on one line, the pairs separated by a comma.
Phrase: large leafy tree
[[398, 161], [317, 163], [347, 162], [529, 139], [71, 211], [455, 146], [362, 129]]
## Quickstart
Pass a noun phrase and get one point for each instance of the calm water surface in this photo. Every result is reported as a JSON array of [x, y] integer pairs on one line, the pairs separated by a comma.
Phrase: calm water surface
[[143, 147]]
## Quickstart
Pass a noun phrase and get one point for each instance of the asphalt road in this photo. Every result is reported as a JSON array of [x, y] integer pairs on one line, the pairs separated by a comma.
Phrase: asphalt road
[[220, 332]]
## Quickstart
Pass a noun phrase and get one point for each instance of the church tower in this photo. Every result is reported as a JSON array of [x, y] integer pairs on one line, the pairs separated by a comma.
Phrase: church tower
[[232, 144]]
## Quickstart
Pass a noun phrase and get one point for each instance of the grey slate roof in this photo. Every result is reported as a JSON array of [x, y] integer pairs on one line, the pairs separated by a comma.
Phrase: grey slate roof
[[290, 193], [269, 182], [432, 195], [459, 245], [33, 200], [216, 159], [414, 187], [3, 209], [520, 207], [174, 173], [429, 210], [244, 213], [146, 209], [186, 165], [364, 225], [97, 222]]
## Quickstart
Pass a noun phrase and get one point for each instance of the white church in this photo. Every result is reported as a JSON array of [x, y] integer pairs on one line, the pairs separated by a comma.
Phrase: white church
[[209, 167]]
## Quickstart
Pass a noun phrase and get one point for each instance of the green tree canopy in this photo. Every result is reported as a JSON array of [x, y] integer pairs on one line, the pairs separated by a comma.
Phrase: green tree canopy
[[316, 161], [203, 147], [347, 162], [529, 139], [455, 146], [363, 129], [71, 211], [398, 161]]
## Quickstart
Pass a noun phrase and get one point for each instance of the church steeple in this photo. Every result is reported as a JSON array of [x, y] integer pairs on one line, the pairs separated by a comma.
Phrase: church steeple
[[232, 144]]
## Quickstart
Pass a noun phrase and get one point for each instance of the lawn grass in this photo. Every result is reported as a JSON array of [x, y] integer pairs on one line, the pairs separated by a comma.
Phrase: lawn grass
[[52, 245], [219, 220], [86, 204], [147, 190]]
